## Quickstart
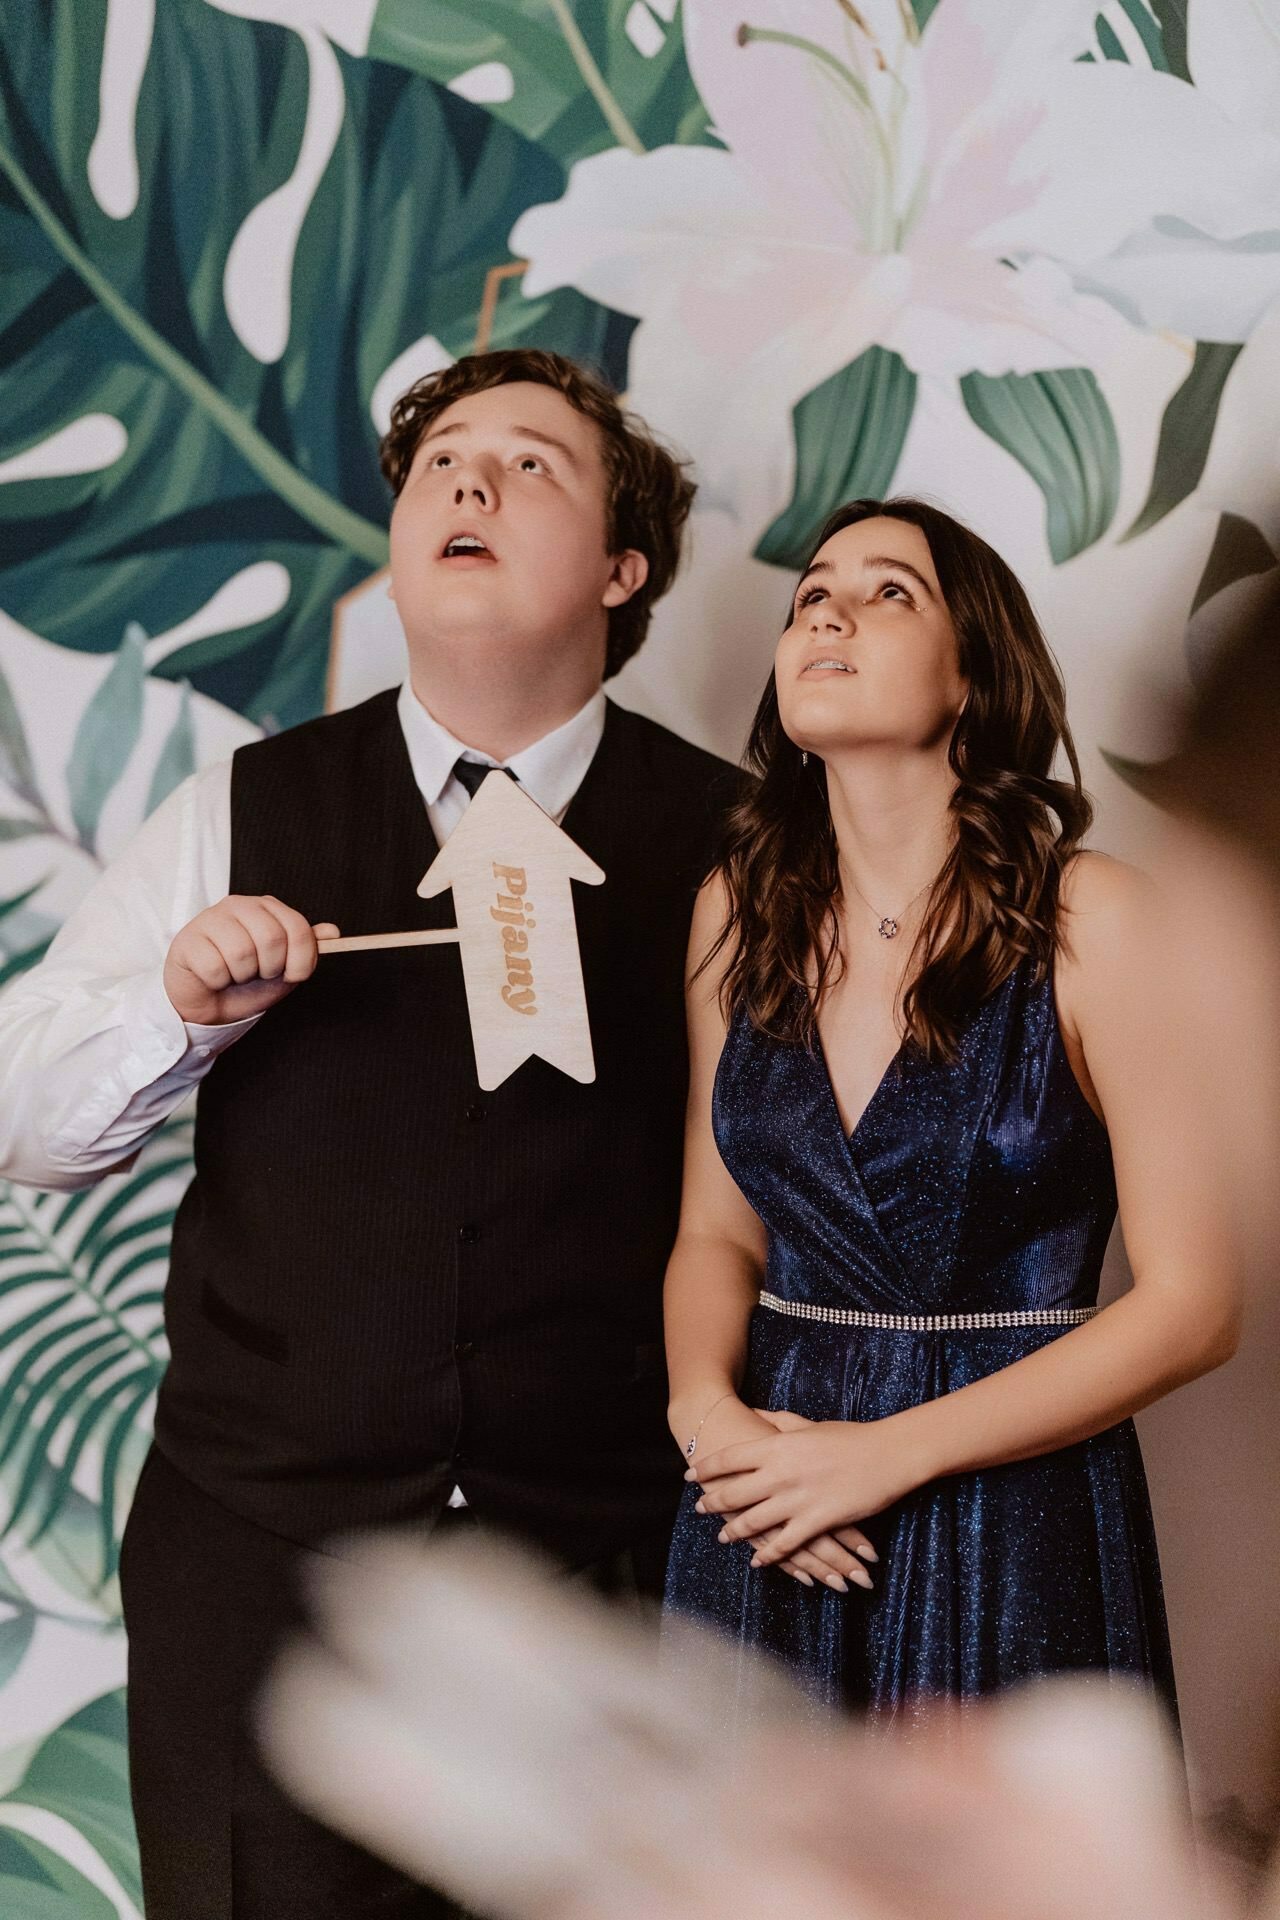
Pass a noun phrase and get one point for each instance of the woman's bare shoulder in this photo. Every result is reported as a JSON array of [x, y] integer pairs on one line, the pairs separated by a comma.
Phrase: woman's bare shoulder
[[708, 950], [1099, 887], [1108, 911], [711, 908]]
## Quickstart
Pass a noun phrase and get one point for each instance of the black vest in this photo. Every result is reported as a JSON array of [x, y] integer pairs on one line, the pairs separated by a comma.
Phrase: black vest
[[384, 1280]]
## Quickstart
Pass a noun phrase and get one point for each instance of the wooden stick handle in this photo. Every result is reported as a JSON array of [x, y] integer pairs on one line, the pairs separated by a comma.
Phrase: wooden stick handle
[[364, 942]]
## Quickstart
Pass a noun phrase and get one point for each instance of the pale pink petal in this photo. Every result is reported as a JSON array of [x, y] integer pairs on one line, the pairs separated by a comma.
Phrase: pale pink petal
[[785, 112], [729, 398], [682, 233], [985, 56], [983, 179], [968, 313]]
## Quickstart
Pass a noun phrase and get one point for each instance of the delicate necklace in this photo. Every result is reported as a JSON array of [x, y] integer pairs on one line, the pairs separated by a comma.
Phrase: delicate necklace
[[889, 923]]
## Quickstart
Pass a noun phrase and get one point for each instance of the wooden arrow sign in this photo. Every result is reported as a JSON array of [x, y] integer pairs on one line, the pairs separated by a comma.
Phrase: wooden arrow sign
[[510, 868]]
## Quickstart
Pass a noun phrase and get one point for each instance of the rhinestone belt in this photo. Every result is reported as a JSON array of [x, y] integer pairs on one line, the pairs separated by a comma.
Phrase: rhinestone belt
[[930, 1322]]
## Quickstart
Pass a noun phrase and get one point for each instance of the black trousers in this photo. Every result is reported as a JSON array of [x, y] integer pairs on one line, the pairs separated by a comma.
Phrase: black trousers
[[207, 1599]]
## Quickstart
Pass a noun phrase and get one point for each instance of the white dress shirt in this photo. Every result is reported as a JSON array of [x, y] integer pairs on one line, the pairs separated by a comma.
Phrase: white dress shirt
[[93, 1056]]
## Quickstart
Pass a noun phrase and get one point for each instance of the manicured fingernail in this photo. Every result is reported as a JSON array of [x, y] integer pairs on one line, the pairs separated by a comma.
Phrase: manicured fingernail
[[838, 1581], [756, 1563], [805, 1579], [867, 1553], [863, 1579], [723, 1536], [699, 1506], [691, 1475]]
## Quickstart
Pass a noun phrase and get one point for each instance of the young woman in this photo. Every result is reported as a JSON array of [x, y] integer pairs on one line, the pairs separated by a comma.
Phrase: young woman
[[921, 1071]]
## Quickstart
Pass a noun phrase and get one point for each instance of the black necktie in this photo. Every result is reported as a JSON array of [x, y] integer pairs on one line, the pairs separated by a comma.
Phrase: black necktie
[[469, 773]]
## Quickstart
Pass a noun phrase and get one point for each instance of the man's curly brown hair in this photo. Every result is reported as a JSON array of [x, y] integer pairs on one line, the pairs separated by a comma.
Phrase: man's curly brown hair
[[649, 492]]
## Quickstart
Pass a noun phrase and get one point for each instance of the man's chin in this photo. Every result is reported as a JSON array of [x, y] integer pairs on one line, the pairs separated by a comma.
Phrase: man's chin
[[465, 632], [448, 607]]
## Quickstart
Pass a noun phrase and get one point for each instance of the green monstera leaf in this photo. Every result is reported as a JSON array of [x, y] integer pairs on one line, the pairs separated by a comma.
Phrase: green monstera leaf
[[1186, 431], [575, 76], [80, 1773], [82, 1346], [849, 434], [18, 1619], [1172, 17], [25, 932], [38, 1884], [1059, 427], [233, 457], [109, 736], [1239, 551]]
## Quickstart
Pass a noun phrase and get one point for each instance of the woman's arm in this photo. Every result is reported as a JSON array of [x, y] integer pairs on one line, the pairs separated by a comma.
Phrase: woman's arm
[[717, 1263], [1180, 1319], [714, 1273]]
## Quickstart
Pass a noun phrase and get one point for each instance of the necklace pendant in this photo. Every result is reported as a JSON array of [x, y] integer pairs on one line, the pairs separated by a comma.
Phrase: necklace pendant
[[888, 928]]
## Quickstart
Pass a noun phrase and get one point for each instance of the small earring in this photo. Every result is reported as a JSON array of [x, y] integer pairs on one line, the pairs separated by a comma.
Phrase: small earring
[[804, 756]]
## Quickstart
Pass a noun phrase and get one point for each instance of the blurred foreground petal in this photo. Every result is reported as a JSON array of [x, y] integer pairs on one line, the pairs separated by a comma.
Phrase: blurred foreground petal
[[498, 1732]]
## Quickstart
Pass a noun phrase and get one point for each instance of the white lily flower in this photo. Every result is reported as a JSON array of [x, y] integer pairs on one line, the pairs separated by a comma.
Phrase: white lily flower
[[955, 196], [1214, 278], [1233, 51]]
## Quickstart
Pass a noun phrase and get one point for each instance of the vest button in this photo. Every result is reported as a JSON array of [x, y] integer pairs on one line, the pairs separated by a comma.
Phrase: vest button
[[475, 1111], [469, 1233]]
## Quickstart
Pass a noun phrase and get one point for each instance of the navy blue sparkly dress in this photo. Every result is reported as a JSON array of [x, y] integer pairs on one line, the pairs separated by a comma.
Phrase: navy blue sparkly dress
[[980, 1188]]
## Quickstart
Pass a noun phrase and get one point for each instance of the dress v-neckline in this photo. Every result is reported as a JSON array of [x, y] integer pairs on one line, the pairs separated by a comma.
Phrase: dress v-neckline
[[850, 1134]]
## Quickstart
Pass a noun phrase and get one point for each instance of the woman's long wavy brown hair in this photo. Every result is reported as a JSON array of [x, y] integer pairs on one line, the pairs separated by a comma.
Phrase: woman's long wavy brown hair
[[995, 901]]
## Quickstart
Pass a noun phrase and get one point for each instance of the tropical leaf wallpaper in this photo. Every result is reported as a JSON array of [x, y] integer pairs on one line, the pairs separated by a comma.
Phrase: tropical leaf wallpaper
[[1020, 255]]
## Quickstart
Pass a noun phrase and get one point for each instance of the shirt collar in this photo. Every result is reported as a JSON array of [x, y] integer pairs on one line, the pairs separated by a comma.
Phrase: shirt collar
[[550, 770]]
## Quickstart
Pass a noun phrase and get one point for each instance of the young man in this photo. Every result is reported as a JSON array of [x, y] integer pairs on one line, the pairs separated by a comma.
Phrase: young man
[[393, 1298]]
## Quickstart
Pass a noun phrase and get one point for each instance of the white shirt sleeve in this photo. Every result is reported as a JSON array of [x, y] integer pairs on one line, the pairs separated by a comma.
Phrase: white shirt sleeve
[[93, 1055]]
